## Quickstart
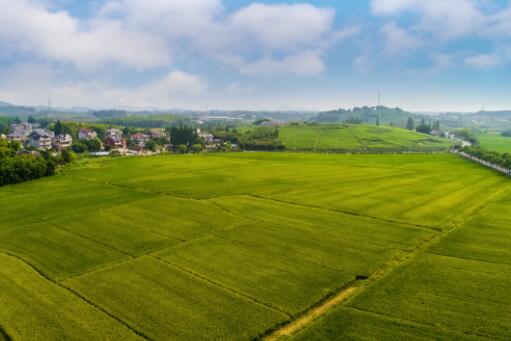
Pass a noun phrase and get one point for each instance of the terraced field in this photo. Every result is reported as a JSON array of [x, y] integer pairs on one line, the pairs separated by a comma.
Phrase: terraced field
[[241, 246], [358, 138]]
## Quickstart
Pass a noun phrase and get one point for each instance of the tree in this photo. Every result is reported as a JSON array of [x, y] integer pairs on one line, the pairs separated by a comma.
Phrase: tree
[[68, 156], [79, 147], [410, 125], [183, 135], [436, 125], [58, 128], [182, 148], [424, 127], [150, 145], [378, 120], [31, 119], [93, 145]]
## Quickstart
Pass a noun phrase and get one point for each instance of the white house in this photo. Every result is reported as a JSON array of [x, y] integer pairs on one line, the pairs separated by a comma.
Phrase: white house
[[62, 141], [40, 139], [86, 134], [20, 132]]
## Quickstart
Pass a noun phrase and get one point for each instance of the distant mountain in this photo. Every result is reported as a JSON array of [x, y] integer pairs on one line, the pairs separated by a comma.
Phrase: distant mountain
[[386, 115], [9, 109], [5, 104], [499, 113]]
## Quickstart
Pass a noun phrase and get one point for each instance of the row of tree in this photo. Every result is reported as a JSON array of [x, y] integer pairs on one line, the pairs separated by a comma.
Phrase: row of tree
[[502, 160], [425, 127]]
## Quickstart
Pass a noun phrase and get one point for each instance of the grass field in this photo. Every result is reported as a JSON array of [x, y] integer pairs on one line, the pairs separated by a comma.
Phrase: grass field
[[369, 138], [495, 142], [232, 246]]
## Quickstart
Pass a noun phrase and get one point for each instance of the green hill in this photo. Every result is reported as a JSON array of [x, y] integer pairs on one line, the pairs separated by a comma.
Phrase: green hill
[[357, 138], [396, 116]]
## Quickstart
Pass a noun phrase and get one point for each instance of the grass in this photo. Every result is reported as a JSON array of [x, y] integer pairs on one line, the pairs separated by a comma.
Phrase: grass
[[34, 308], [358, 138], [167, 303], [495, 142], [230, 246]]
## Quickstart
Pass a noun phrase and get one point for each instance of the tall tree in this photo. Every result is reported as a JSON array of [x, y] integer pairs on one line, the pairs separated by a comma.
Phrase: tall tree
[[410, 125], [378, 120], [58, 129]]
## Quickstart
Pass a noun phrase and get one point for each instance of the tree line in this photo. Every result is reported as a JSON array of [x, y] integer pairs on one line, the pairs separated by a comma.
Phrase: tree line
[[502, 160], [16, 167]]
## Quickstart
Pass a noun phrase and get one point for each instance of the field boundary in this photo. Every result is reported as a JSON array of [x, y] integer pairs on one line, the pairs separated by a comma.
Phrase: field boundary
[[402, 259], [76, 294], [394, 221], [312, 313], [218, 285], [4, 334]]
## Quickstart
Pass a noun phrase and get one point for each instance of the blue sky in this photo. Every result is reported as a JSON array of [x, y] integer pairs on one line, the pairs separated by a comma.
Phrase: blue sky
[[436, 55]]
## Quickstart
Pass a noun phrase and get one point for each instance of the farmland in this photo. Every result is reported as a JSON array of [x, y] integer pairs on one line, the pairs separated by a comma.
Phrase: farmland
[[234, 246], [357, 138], [495, 142]]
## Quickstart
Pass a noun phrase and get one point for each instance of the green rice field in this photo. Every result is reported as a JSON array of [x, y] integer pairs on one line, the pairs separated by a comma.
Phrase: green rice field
[[495, 142], [238, 246], [358, 138]]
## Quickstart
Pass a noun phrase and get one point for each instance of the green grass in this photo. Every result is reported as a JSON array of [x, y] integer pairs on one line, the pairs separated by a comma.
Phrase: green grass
[[34, 308], [495, 142], [57, 253], [166, 303], [229, 246], [459, 288], [357, 138]]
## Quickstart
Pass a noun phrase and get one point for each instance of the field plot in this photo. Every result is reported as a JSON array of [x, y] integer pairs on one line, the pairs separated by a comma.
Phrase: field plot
[[460, 288], [332, 137], [55, 252], [34, 308], [231, 246], [494, 142], [166, 303]]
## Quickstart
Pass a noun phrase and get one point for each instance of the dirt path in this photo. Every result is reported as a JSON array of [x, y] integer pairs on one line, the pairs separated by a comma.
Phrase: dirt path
[[311, 315]]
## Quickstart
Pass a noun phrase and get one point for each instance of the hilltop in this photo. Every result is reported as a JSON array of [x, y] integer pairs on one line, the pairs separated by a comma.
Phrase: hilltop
[[358, 138], [386, 115]]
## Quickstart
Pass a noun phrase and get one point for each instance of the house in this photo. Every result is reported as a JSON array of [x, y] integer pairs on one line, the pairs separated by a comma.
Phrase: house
[[139, 140], [114, 132], [157, 134], [115, 142], [40, 139], [62, 141], [87, 134], [20, 132]]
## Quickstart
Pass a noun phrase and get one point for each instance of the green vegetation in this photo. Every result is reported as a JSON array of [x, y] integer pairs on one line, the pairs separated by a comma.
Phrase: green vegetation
[[141, 121], [231, 246], [496, 143], [383, 114], [502, 160], [358, 138], [15, 168]]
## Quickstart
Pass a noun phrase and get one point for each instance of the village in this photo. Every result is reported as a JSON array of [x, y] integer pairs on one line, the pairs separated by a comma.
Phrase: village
[[33, 138]]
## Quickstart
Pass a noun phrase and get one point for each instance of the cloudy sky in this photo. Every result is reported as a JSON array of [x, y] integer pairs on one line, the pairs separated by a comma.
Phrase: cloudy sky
[[238, 54]]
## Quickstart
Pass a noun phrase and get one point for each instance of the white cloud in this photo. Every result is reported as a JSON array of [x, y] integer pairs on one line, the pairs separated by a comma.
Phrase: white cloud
[[501, 56], [34, 84], [258, 36], [282, 26], [398, 40], [32, 27], [306, 63], [141, 34], [444, 19]]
